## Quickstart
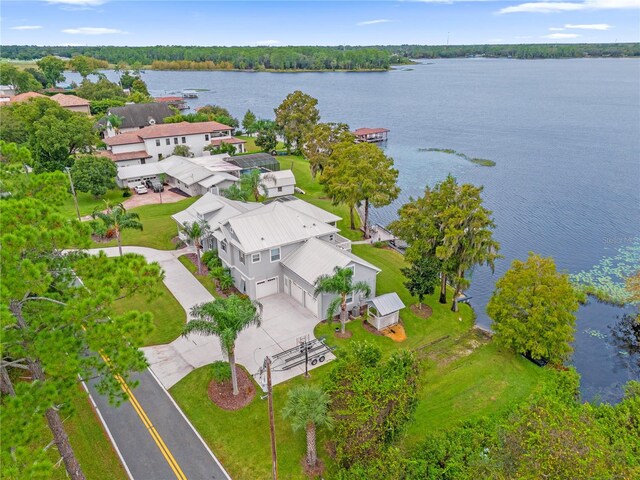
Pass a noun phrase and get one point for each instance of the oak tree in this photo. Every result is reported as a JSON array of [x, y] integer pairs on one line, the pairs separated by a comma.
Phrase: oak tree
[[320, 142], [52, 68], [296, 116], [94, 174], [360, 172]]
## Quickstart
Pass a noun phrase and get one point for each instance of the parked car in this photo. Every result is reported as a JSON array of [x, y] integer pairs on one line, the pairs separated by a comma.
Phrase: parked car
[[140, 189], [155, 185]]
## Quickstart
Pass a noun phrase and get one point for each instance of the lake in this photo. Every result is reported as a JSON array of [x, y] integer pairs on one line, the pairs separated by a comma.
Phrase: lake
[[565, 136]]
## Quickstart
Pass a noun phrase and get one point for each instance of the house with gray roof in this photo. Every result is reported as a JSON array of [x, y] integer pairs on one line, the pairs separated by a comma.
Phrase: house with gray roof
[[281, 247], [137, 116]]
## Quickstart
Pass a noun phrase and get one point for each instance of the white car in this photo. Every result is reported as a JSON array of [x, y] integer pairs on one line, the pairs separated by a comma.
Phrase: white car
[[140, 189]]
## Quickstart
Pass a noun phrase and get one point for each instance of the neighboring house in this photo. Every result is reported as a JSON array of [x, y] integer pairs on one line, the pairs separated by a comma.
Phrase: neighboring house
[[238, 143], [72, 103], [371, 135], [69, 102], [261, 161], [280, 247], [23, 97], [193, 176], [6, 92], [136, 116], [158, 141], [278, 184]]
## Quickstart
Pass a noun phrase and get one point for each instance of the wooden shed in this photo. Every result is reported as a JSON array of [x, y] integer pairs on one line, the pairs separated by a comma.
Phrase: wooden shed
[[384, 311]]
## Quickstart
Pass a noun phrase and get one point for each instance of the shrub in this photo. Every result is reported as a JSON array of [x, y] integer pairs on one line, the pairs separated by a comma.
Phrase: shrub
[[210, 259], [220, 371], [217, 272], [98, 228], [226, 281], [379, 244], [126, 192]]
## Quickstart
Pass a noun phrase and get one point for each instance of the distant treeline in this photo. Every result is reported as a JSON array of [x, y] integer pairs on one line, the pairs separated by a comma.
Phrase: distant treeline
[[311, 58], [526, 51]]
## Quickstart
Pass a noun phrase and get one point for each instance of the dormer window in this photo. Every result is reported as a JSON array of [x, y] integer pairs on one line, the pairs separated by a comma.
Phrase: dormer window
[[223, 245]]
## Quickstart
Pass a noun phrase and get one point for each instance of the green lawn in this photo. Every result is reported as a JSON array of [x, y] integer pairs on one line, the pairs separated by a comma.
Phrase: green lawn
[[89, 441], [87, 202], [314, 194], [168, 314], [206, 280], [463, 376], [240, 439], [91, 445], [159, 227]]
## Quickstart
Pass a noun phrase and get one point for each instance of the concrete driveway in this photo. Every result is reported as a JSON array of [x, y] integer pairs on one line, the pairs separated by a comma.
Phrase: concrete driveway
[[283, 322]]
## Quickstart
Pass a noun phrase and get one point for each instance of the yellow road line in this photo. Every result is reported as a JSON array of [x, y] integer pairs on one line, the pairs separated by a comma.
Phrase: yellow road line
[[166, 453]]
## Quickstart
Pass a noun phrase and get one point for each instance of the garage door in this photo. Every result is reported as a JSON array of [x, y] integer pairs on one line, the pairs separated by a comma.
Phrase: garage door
[[267, 287], [311, 303], [297, 292]]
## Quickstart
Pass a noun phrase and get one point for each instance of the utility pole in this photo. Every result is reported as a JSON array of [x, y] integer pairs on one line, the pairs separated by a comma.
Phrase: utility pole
[[272, 426], [73, 192]]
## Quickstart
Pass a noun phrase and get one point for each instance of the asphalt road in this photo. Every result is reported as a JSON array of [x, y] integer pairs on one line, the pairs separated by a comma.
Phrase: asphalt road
[[153, 437]]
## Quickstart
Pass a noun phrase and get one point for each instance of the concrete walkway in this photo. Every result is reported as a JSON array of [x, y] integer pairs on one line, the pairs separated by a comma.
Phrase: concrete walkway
[[283, 322]]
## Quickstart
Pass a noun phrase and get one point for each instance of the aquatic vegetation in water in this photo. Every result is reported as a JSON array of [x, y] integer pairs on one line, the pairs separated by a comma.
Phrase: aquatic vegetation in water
[[478, 161], [595, 333], [606, 280]]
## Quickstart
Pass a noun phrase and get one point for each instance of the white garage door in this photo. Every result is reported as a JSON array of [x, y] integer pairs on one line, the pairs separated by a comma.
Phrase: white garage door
[[297, 292], [267, 287], [311, 303]]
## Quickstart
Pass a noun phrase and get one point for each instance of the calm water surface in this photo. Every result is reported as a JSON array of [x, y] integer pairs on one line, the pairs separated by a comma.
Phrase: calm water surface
[[565, 135]]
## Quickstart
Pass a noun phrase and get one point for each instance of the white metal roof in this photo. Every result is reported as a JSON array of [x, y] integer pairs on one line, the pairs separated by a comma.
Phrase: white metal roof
[[136, 171], [274, 225], [214, 209], [387, 303], [281, 178], [218, 178], [308, 209], [317, 257]]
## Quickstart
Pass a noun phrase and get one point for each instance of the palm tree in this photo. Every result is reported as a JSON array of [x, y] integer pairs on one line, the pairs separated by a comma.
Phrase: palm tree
[[194, 232], [117, 218], [234, 192], [253, 183], [308, 407], [225, 318], [341, 283]]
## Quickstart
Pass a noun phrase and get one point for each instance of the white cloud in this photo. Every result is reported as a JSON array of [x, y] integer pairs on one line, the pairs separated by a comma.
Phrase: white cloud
[[560, 36], [373, 22], [267, 43], [556, 29], [593, 26], [27, 27], [93, 31], [80, 3], [554, 7]]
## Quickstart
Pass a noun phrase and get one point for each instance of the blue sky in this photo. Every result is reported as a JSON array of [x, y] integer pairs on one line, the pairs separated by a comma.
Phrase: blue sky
[[121, 22]]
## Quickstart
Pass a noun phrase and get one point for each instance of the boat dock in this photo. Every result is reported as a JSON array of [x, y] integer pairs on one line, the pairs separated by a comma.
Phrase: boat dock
[[371, 135]]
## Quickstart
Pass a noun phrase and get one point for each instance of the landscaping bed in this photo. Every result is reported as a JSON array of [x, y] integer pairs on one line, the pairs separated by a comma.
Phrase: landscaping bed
[[221, 393]]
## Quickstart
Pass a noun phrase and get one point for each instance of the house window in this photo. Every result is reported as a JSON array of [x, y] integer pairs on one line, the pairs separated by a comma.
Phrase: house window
[[223, 245], [350, 297], [243, 286], [275, 254], [159, 156], [168, 140], [184, 139], [175, 140], [142, 161], [241, 257], [279, 189], [157, 142], [331, 237], [255, 258], [206, 137]]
